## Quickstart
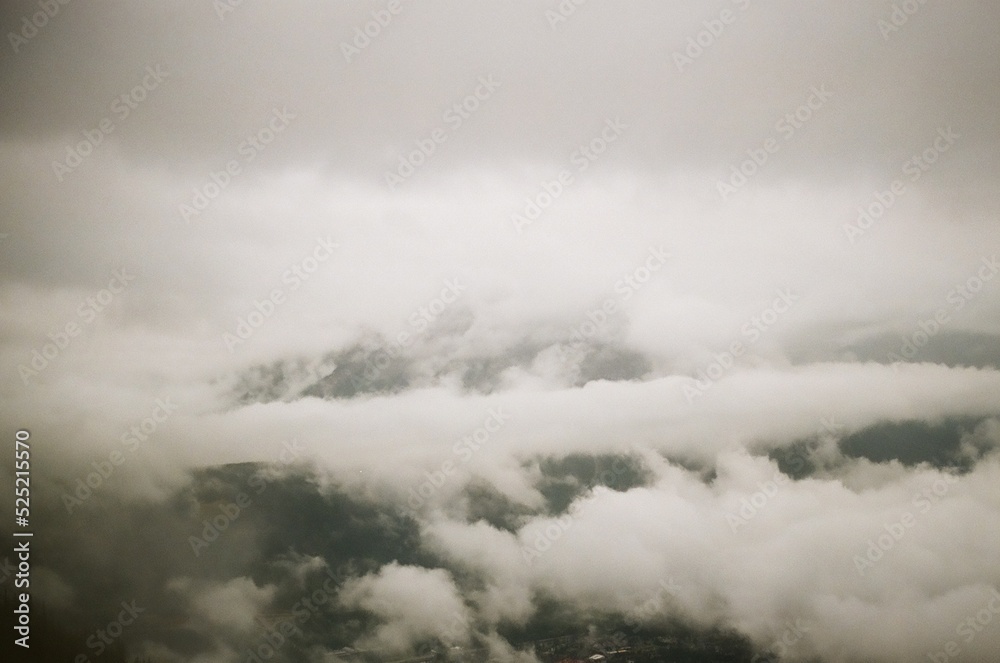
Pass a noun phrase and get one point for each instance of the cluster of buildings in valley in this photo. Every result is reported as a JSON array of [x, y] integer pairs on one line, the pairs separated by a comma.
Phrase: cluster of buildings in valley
[[622, 648], [680, 647]]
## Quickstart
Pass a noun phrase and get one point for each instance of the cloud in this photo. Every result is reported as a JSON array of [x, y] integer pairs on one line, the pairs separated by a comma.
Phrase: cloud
[[760, 264], [413, 604], [757, 550], [234, 604]]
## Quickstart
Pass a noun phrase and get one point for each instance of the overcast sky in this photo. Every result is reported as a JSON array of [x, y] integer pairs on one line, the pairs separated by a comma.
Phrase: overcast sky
[[377, 244]]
